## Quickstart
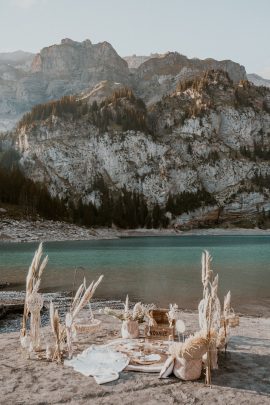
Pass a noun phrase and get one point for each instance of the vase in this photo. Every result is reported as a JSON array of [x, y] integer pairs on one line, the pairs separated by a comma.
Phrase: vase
[[130, 329]]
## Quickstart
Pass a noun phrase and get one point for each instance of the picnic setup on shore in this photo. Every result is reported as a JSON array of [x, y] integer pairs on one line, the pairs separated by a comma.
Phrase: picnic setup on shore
[[153, 340]]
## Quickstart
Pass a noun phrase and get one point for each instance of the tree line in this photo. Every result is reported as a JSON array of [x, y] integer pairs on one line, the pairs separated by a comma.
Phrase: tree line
[[33, 198], [187, 201], [121, 109], [66, 106], [123, 208]]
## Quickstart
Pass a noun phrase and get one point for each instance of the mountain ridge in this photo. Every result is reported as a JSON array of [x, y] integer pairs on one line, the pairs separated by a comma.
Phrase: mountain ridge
[[73, 67], [198, 157], [258, 80]]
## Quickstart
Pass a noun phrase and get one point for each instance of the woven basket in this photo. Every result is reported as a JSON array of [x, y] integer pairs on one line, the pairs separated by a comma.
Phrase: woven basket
[[87, 327]]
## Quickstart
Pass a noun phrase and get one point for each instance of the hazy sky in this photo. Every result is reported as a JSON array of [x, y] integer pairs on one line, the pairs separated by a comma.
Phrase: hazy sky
[[222, 29]]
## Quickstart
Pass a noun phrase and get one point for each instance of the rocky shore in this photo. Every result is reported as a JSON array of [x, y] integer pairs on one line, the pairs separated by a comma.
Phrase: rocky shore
[[44, 230]]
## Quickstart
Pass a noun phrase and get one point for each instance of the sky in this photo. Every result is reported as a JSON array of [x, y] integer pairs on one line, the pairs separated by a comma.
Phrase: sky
[[222, 29]]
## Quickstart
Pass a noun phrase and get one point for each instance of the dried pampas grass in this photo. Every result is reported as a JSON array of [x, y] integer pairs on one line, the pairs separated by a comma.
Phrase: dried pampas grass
[[139, 312], [126, 315], [227, 305], [86, 297], [195, 346], [81, 299], [57, 332], [206, 270], [33, 300]]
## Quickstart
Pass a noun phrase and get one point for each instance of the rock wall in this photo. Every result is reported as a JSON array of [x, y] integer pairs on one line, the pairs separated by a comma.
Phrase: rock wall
[[69, 156]]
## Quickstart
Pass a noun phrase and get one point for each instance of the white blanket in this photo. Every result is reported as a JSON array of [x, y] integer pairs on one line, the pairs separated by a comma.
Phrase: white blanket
[[101, 362]]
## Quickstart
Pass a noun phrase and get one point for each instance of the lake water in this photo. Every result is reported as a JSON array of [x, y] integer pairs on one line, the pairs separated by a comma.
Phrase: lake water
[[151, 269]]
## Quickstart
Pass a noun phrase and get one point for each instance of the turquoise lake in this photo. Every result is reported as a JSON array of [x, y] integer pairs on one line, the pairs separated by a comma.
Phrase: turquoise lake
[[151, 269]]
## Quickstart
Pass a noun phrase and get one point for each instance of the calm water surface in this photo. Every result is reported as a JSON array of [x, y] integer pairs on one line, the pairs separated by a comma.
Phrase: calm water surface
[[151, 269]]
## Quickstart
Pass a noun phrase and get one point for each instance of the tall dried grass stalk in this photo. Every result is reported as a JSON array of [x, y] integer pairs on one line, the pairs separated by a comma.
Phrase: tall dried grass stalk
[[56, 328], [77, 297], [81, 299], [227, 305], [206, 269], [86, 297], [126, 315], [223, 341], [208, 299], [33, 301]]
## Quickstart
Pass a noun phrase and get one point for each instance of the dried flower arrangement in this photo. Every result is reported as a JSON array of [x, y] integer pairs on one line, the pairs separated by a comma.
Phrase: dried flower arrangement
[[33, 302], [210, 314], [81, 299], [209, 311], [64, 334], [131, 318], [138, 313]]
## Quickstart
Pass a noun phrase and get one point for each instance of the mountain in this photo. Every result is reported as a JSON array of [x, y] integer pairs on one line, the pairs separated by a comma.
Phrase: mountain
[[72, 67], [159, 76], [135, 61], [14, 66], [58, 70], [258, 80], [18, 59], [197, 157]]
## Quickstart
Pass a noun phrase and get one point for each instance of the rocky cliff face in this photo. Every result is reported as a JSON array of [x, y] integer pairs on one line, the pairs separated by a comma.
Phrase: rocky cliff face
[[209, 134], [58, 70], [74, 67]]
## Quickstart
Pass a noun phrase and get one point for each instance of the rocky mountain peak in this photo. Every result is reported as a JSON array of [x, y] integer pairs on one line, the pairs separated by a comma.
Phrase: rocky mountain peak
[[71, 58], [68, 41], [72, 67], [58, 70], [160, 75], [135, 61], [173, 63]]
